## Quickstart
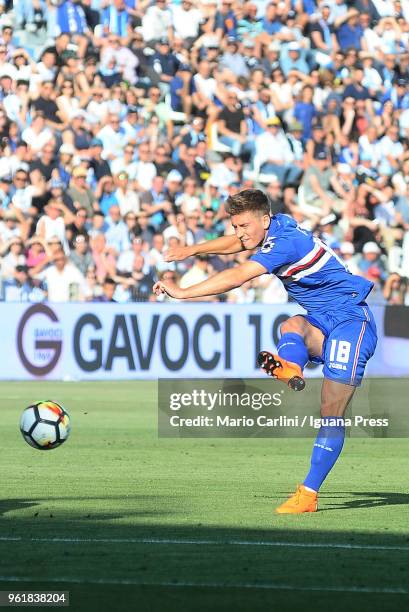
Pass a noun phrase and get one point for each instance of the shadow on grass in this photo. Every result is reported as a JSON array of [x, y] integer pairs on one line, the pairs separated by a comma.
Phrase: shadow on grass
[[366, 500], [136, 565], [363, 499]]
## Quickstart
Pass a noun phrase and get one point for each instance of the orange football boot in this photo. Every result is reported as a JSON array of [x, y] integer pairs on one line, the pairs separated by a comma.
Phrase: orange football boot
[[301, 501], [281, 369]]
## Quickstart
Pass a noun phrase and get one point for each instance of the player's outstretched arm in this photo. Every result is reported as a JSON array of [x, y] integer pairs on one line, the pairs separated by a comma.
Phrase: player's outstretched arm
[[220, 283], [225, 245]]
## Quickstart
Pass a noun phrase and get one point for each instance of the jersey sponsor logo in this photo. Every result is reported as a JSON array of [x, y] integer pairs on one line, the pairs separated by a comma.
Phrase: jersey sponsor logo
[[268, 245]]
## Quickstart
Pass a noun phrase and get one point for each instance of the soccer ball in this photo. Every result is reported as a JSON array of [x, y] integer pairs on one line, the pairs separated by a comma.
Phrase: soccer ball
[[45, 425]]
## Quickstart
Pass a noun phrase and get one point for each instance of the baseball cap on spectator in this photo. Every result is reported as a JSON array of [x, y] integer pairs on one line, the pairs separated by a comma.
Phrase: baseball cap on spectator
[[293, 46], [96, 142], [21, 268], [79, 171], [347, 248], [232, 40], [131, 109], [248, 43], [67, 149], [185, 68], [273, 121], [371, 247], [174, 176], [344, 169], [292, 14], [296, 126], [365, 156], [56, 184], [6, 179], [274, 46], [10, 215], [401, 82], [78, 113], [164, 41], [212, 43]]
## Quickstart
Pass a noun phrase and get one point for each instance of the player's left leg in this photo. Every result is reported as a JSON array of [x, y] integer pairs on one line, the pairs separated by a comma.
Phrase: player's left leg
[[300, 340]]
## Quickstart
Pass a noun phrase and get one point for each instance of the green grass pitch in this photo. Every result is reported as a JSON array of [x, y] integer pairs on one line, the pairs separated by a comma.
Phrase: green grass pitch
[[126, 521]]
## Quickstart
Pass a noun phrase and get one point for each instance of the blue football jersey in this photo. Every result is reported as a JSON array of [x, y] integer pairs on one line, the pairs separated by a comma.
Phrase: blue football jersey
[[312, 273]]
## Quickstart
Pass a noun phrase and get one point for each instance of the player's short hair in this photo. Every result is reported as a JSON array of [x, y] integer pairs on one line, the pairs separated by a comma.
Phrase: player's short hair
[[252, 200]]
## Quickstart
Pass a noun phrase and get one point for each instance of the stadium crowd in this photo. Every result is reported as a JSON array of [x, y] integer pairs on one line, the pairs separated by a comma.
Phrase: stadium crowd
[[125, 124]]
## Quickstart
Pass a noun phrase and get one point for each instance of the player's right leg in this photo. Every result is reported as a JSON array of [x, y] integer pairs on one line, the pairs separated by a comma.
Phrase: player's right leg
[[299, 340], [348, 348]]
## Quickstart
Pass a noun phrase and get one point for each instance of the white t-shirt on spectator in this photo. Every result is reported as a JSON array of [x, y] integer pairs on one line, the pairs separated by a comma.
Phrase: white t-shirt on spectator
[[6, 233], [128, 201], [58, 283], [23, 198], [222, 176], [207, 87], [97, 111], [155, 23], [9, 263], [52, 228], [126, 259], [145, 173], [119, 165], [192, 277], [113, 141], [389, 147], [270, 147], [186, 23], [372, 148], [35, 140]]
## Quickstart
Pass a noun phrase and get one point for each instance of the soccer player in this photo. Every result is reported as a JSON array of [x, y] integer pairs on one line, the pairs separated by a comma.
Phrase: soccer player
[[338, 329]]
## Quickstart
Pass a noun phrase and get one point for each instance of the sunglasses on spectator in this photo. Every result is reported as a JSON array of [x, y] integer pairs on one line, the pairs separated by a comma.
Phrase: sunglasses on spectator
[[169, 277]]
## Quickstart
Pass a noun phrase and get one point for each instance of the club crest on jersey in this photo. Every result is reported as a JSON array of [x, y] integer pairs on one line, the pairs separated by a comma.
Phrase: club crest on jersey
[[268, 245]]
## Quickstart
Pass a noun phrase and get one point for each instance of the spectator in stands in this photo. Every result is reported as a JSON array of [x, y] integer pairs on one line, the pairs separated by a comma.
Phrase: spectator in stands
[[21, 288], [63, 280], [138, 121]]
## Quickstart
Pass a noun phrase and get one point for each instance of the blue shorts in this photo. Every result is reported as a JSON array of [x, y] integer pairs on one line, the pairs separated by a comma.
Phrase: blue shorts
[[350, 341]]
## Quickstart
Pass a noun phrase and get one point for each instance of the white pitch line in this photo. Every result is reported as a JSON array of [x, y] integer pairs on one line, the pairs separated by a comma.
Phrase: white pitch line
[[208, 585], [184, 542]]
